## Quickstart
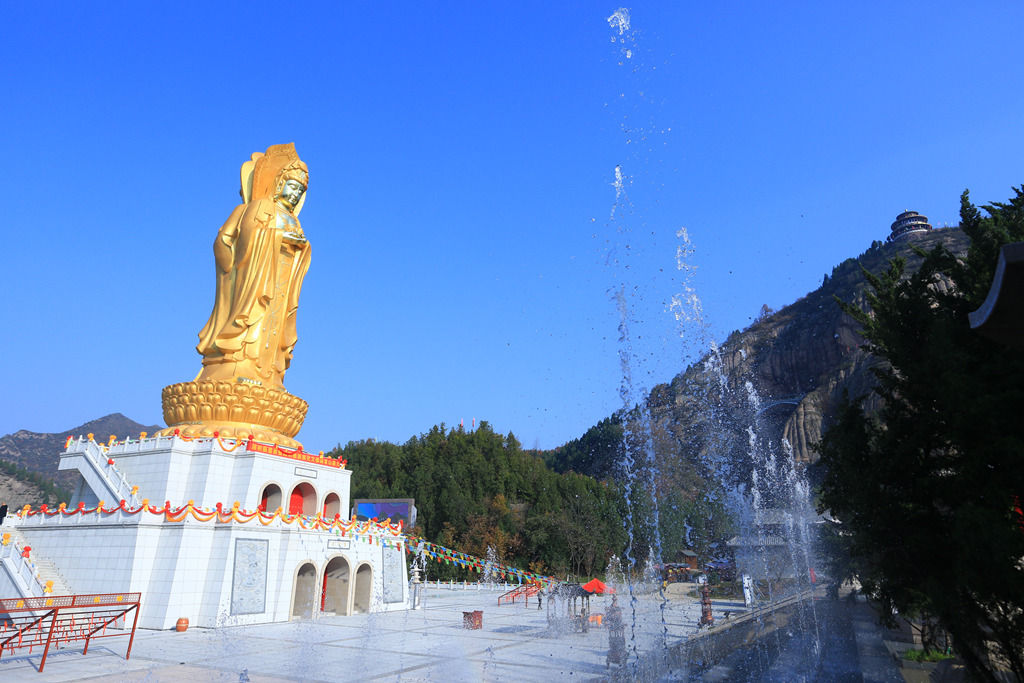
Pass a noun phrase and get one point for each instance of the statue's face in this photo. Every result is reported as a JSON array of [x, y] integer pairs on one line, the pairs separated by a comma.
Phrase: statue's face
[[291, 193]]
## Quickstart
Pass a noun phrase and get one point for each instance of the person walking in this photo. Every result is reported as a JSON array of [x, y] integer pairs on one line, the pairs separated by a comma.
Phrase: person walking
[[3, 512], [616, 635]]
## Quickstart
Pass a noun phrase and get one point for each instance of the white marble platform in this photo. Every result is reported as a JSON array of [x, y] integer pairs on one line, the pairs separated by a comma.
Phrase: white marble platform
[[211, 572]]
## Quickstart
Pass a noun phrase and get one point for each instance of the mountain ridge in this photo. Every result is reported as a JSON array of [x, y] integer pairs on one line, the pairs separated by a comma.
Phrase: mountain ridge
[[785, 375], [38, 453]]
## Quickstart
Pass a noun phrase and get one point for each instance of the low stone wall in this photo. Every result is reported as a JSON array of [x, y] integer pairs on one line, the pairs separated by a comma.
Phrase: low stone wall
[[710, 646]]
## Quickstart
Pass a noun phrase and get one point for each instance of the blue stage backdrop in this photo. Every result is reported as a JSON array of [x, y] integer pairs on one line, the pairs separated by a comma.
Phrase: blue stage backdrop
[[384, 508]]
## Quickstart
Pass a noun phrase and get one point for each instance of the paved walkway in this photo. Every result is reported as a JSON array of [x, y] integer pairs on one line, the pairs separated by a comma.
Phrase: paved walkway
[[841, 643], [515, 644]]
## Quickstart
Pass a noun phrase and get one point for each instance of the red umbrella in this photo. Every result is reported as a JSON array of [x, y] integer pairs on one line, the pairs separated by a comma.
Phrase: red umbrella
[[595, 586]]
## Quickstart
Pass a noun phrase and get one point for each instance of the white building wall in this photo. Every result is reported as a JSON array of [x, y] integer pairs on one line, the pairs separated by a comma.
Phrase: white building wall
[[186, 569]]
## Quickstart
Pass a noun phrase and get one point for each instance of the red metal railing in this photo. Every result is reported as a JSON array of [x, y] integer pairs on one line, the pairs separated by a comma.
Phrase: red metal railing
[[524, 591], [28, 623]]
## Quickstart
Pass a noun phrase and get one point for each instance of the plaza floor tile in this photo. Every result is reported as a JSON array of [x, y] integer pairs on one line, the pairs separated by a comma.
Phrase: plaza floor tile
[[516, 644]]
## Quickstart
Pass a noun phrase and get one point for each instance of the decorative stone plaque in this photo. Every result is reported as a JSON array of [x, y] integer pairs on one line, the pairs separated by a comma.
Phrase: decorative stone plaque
[[392, 575], [249, 581]]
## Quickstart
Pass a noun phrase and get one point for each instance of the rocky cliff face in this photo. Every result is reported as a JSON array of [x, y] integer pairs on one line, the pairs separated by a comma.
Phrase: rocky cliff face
[[39, 453], [780, 382], [786, 374], [17, 493]]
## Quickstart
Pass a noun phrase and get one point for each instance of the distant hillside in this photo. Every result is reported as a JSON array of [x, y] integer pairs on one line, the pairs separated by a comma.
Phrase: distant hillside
[[480, 493], [797, 360], [26, 453]]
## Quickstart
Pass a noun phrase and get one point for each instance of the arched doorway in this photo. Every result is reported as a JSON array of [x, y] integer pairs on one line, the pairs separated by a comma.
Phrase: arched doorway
[[335, 587], [270, 498], [303, 500], [364, 588], [332, 505], [304, 593]]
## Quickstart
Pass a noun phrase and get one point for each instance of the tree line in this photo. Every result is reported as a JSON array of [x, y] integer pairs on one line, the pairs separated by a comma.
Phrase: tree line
[[481, 493]]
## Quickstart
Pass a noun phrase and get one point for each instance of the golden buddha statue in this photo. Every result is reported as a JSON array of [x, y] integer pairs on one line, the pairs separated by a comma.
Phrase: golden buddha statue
[[261, 257]]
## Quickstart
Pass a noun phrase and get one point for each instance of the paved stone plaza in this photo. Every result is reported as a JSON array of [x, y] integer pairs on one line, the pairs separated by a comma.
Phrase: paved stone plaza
[[515, 644]]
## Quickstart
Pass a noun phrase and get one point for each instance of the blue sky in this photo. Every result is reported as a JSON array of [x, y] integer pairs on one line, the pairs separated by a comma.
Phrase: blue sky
[[462, 210]]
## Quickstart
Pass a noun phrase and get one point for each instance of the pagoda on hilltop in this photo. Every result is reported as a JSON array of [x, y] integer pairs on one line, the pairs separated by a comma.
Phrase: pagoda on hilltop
[[908, 223]]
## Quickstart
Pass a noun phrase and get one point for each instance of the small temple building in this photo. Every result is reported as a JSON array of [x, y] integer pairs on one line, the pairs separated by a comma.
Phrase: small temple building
[[908, 223]]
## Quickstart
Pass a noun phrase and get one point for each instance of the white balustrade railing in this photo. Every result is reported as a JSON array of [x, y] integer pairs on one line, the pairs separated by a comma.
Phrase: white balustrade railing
[[114, 515], [503, 587], [100, 460], [13, 555]]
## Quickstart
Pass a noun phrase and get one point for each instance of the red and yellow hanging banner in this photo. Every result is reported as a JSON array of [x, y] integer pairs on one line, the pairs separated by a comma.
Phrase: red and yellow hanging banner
[[274, 449], [222, 514]]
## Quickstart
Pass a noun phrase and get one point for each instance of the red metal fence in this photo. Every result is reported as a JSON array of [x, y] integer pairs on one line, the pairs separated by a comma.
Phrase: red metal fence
[[28, 623], [524, 591]]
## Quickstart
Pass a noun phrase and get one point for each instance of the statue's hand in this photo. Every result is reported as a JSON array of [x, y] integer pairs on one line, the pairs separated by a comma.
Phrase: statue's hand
[[295, 238]]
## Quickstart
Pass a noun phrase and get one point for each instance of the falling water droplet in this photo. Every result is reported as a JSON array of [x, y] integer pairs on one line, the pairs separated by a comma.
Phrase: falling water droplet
[[620, 20]]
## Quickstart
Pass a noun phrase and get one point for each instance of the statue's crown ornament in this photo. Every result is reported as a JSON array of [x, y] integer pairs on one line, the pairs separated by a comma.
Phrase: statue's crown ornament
[[263, 173]]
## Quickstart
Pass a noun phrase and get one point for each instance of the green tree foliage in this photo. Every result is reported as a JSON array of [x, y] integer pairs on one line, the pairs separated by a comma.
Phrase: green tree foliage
[[690, 521], [478, 491], [765, 313], [595, 453], [927, 489]]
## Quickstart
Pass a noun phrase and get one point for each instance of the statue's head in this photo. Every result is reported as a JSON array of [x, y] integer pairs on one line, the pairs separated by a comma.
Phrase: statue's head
[[289, 191], [278, 174], [291, 183]]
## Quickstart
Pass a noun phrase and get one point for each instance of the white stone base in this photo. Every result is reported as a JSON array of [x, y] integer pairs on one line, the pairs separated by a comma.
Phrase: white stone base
[[188, 568]]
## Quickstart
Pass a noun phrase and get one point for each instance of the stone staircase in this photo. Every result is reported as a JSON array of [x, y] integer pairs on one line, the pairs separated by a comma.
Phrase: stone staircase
[[105, 480], [48, 572], [44, 569]]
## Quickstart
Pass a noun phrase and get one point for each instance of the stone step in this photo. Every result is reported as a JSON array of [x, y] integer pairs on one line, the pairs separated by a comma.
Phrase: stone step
[[16, 536], [47, 570]]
